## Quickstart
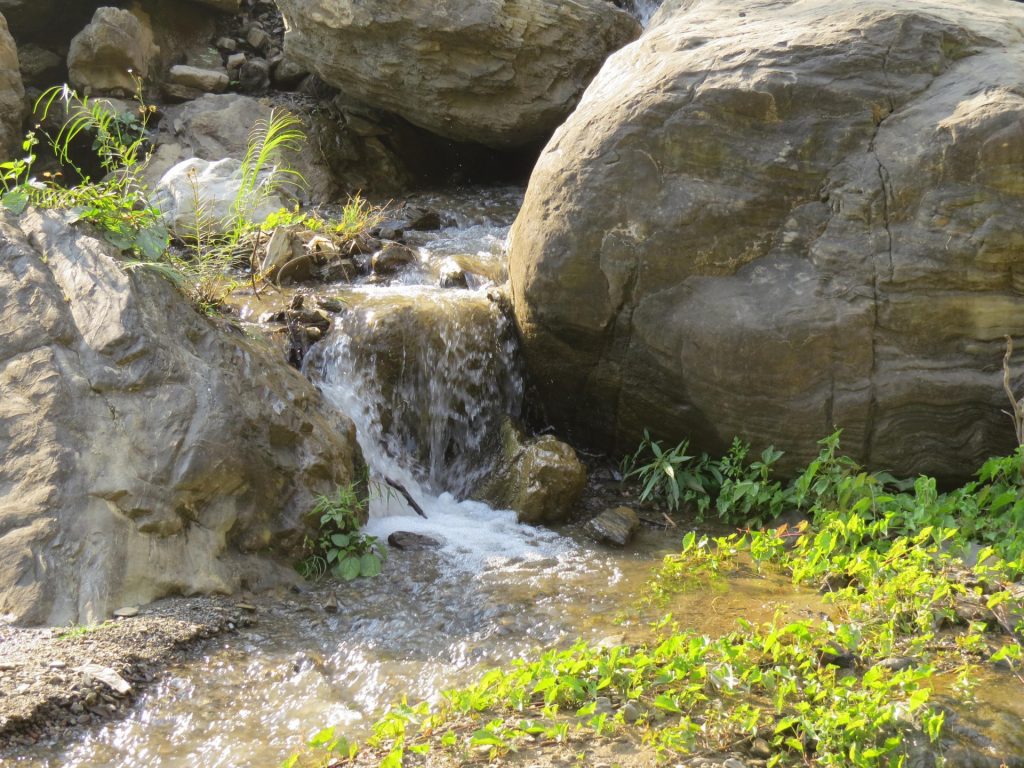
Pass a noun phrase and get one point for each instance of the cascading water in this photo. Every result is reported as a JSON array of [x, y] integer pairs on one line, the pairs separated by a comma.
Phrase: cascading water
[[645, 9], [428, 375]]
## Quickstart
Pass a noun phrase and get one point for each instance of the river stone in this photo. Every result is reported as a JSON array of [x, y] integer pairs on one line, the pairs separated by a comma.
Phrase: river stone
[[412, 542], [145, 450], [113, 49], [540, 478], [12, 94], [485, 71], [771, 219], [614, 526]]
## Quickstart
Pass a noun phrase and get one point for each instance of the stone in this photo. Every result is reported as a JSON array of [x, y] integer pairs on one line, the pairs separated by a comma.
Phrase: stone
[[236, 60], [254, 76], [146, 449], [12, 95], [257, 37], [827, 236], [393, 257], [632, 711], [452, 275], [217, 186], [39, 66], [127, 612], [540, 478], [217, 126], [484, 71], [111, 52], [105, 675], [614, 526], [203, 80], [228, 44], [288, 74], [412, 542]]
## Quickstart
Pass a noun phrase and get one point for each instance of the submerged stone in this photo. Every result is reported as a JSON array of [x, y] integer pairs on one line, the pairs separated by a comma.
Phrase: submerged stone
[[614, 526]]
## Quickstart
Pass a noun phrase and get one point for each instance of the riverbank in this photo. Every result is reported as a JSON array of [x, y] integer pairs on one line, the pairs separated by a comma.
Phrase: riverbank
[[54, 680]]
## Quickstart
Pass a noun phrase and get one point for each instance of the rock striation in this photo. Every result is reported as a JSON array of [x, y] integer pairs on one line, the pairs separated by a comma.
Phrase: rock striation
[[771, 219], [485, 71], [144, 449]]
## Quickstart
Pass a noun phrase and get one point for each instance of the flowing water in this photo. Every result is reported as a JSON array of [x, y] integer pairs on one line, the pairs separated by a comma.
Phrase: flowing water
[[427, 374]]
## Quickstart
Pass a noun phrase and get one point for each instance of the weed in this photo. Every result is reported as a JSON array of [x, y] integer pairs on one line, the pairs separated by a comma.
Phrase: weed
[[340, 548]]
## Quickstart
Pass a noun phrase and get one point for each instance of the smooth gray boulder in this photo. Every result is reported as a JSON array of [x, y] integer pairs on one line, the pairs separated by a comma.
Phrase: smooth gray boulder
[[486, 71], [145, 450], [772, 219], [114, 49], [12, 95]]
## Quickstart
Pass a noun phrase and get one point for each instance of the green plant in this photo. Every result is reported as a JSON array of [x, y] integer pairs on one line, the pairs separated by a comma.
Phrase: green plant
[[340, 548], [115, 204]]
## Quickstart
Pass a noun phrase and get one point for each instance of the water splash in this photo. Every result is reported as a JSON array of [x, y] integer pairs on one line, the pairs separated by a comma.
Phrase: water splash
[[428, 376]]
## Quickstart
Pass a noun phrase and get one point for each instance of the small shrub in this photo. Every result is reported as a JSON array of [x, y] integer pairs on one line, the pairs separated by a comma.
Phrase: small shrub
[[340, 548]]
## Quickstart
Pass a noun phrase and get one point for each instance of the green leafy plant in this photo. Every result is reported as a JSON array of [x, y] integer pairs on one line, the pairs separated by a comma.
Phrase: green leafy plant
[[116, 204], [340, 548]]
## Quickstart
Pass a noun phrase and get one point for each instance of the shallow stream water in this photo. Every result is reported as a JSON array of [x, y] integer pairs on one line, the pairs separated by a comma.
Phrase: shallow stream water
[[426, 374]]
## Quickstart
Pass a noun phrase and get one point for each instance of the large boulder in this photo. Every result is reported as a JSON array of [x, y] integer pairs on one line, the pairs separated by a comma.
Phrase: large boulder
[[113, 50], [769, 219], [12, 94], [487, 71], [144, 449]]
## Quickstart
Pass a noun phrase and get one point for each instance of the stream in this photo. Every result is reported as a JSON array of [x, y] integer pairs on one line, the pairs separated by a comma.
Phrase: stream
[[427, 374]]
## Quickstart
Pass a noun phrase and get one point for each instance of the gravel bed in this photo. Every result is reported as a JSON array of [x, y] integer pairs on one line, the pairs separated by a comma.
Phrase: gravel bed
[[56, 679]]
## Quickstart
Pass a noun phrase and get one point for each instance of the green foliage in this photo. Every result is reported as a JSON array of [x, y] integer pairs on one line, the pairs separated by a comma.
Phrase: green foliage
[[740, 492], [357, 218], [340, 548], [115, 204]]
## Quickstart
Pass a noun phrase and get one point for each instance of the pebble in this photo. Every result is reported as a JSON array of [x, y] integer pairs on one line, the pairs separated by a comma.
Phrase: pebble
[[247, 607], [632, 711], [734, 762], [127, 612], [760, 748]]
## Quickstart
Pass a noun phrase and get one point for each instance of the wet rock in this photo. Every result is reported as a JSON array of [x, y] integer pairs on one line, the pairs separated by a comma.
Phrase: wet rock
[[201, 80], [393, 257], [217, 185], [12, 94], [114, 47], [330, 304], [460, 71], [780, 248], [412, 542], [540, 478], [100, 371], [331, 603], [614, 526], [452, 275]]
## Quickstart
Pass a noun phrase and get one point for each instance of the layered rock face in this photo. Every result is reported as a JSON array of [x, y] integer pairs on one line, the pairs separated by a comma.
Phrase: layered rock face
[[144, 450], [12, 94], [486, 71], [771, 219]]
